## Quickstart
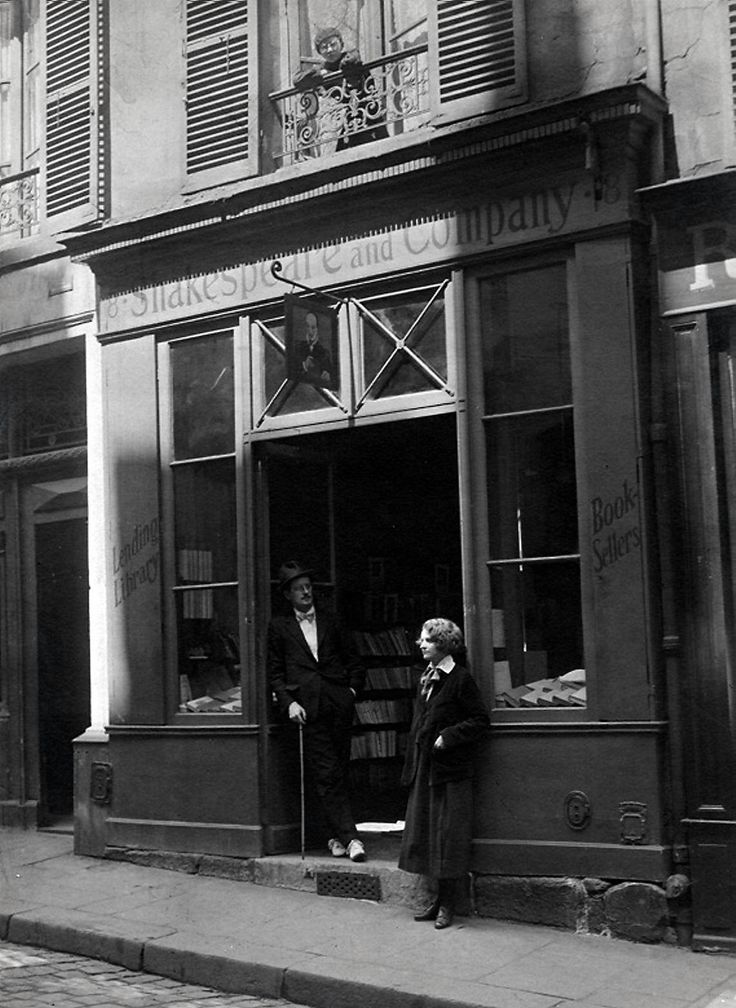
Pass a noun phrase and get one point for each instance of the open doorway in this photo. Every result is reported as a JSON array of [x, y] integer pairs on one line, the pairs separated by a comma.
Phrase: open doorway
[[375, 511], [63, 659]]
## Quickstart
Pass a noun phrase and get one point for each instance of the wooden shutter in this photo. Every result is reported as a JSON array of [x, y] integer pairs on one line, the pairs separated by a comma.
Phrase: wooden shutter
[[72, 125], [221, 139], [479, 56]]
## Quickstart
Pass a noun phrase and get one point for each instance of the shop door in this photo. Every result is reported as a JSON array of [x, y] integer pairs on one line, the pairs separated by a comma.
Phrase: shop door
[[704, 408], [374, 511], [62, 596]]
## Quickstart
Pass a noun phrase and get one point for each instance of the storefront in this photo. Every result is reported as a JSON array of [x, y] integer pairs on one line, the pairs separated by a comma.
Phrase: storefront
[[472, 444], [696, 258], [47, 317]]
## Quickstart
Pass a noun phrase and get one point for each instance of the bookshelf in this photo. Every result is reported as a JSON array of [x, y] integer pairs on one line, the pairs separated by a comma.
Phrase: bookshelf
[[382, 718]]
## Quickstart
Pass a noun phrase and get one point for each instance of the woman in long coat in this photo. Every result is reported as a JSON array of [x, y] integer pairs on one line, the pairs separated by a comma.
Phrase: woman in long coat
[[449, 719]]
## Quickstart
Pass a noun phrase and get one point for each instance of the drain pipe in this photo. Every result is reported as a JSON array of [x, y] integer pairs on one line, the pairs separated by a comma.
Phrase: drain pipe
[[653, 27], [20, 649], [655, 81]]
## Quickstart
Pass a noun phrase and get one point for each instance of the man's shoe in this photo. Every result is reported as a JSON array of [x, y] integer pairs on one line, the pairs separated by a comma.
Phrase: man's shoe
[[336, 848], [356, 850], [430, 913], [444, 918]]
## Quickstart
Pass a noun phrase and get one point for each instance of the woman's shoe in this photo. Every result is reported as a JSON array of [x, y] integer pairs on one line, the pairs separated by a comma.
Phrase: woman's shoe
[[430, 913], [444, 918]]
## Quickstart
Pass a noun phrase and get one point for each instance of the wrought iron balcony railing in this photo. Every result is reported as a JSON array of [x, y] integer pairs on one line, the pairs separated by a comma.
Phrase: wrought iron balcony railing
[[19, 196], [389, 96]]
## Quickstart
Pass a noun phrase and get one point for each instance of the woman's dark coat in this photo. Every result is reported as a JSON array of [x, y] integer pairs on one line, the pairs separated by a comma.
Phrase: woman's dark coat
[[456, 711], [439, 815]]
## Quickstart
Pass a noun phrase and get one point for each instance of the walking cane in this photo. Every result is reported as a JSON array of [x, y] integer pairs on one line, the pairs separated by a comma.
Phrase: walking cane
[[301, 778]]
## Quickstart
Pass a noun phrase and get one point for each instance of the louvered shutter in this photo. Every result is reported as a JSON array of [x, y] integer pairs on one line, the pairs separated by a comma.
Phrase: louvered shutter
[[479, 50], [221, 138], [72, 122]]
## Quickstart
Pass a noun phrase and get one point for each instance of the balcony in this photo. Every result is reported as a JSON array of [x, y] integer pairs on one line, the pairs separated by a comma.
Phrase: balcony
[[19, 198], [392, 97]]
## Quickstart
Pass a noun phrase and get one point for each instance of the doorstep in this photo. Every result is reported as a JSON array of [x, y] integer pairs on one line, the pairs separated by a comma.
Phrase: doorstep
[[377, 878]]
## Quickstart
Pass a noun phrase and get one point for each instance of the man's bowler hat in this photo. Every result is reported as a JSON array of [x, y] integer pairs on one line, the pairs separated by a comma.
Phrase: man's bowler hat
[[290, 570]]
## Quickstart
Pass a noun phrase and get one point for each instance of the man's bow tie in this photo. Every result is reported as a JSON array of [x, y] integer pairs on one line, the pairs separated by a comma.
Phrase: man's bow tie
[[308, 616]]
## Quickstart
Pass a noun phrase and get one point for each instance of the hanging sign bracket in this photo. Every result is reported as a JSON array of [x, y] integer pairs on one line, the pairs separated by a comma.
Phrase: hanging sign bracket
[[277, 271]]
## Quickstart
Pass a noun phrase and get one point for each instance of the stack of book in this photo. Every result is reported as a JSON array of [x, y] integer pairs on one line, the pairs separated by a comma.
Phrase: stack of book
[[383, 642], [396, 677], [382, 711], [567, 690]]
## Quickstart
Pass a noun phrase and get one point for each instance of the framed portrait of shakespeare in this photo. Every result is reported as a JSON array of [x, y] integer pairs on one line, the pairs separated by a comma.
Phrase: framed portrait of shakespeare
[[311, 342]]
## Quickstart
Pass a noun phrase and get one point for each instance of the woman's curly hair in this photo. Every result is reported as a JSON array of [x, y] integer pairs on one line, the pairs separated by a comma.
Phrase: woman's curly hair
[[446, 634]]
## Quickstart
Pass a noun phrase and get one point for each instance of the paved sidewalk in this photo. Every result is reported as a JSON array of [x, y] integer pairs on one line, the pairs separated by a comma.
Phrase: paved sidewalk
[[324, 951], [30, 976]]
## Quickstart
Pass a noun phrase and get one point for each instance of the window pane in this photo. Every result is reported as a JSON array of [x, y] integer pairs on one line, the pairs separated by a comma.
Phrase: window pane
[[406, 23], [538, 635], [392, 326], [525, 341], [204, 416], [204, 508], [532, 496], [209, 651]]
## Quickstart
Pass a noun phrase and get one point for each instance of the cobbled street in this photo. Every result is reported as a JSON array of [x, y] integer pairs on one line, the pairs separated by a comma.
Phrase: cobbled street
[[36, 978]]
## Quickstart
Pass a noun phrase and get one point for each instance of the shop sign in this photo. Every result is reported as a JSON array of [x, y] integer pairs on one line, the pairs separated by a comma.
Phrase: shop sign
[[615, 524], [135, 560], [697, 265], [510, 219]]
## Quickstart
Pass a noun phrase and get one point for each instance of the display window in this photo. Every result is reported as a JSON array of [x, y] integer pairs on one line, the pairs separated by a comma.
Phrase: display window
[[534, 552], [200, 495]]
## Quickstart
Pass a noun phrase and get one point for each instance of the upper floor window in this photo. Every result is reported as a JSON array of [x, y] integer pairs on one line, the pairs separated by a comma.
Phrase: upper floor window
[[352, 73], [50, 114]]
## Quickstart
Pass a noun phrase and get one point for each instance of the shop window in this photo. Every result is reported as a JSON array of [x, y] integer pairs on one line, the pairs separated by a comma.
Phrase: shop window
[[203, 400], [221, 119], [534, 561], [43, 407], [419, 59], [207, 606], [201, 491]]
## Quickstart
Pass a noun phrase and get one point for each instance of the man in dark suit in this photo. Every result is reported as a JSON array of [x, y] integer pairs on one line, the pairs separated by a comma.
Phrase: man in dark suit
[[315, 676]]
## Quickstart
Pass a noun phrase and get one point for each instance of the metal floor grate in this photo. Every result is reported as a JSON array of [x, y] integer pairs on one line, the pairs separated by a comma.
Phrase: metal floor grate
[[353, 885]]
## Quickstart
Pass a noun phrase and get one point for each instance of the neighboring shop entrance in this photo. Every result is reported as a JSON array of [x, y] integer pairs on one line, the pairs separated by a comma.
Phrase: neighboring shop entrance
[[374, 510], [62, 596]]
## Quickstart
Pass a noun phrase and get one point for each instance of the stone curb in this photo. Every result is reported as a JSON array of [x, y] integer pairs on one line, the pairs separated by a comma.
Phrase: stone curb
[[169, 956], [80, 939]]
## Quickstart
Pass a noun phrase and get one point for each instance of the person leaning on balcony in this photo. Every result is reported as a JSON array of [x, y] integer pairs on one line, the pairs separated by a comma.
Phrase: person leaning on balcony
[[315, 676], [450, 718], [363, 112]]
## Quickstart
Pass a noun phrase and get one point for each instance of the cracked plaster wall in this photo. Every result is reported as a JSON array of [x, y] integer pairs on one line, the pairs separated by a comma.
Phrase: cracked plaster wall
[[698, 84], [577, 47]]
